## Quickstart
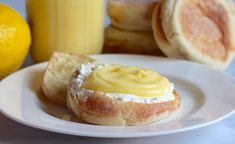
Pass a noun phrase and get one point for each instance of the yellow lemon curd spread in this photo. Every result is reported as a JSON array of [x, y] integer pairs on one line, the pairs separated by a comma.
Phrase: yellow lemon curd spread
[[127, 80]]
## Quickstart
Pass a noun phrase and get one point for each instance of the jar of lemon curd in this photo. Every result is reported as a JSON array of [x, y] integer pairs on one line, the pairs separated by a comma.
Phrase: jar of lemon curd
[[74, 26]]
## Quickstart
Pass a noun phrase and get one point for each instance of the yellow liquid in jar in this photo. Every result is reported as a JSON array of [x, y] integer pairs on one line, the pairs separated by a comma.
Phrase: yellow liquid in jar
[[127, 80], [74, 26]]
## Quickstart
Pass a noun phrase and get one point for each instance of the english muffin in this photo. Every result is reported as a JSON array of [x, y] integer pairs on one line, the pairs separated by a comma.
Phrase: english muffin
[[132, 42], [109, 94], [58, 74], [131, 14], [160, 37], [201, 29]]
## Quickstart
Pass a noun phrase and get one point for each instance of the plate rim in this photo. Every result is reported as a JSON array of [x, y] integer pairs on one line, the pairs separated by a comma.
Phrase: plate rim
[[97, 135], [142, 134]]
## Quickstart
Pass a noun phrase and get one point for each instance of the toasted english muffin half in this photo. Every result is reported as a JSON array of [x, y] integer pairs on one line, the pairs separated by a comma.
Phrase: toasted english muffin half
[[131, 42], [98, 108], [202, 29], [131, 14], [58, 74], [159, 36]]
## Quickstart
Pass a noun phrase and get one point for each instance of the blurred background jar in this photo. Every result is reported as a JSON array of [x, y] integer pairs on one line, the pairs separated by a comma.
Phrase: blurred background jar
[[74, 26]]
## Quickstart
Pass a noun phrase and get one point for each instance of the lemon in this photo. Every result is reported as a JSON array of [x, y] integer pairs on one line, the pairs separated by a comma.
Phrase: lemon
[[15, 40]]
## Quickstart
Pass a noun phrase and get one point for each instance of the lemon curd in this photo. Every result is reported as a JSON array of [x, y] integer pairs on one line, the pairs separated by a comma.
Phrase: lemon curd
[[127, 80], [74, 26]]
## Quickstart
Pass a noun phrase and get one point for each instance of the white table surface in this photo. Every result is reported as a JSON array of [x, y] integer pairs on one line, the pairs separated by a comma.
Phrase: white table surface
[[12, 132]]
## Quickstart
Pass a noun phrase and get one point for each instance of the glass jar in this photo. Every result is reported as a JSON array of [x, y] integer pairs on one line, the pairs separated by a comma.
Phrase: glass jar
[[74, 26]]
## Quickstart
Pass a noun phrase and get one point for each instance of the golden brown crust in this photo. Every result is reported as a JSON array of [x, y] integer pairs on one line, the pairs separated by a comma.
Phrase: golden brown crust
[[103, 110], [123, 48], [119, 41], [131, 14]]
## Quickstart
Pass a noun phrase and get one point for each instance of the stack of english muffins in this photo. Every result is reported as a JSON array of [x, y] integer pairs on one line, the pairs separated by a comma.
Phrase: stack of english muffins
[[198, 30], [130, 30]]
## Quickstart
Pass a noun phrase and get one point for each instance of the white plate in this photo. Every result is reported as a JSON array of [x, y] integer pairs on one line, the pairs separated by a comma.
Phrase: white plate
[[207, 97]]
